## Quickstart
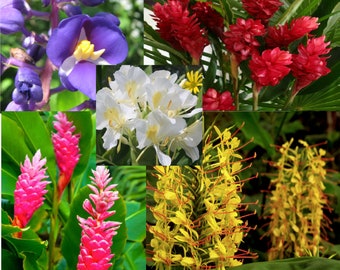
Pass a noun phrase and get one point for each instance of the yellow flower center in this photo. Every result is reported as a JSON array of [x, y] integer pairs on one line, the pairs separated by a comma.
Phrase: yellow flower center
[[85, 50], [152, 133]]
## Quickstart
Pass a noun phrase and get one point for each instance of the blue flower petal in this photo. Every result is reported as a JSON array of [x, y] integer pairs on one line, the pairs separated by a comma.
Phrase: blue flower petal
[[82, 78], [105, 34], [64, 39], [11, 20]]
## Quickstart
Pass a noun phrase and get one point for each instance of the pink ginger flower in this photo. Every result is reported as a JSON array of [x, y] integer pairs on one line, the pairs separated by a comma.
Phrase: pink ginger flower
[[241, 40], [66, 149], [310, 64], [29, 190], [97, 234]]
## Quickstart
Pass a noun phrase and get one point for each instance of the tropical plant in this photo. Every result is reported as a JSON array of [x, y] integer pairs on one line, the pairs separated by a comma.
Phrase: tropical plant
[[241, 38]]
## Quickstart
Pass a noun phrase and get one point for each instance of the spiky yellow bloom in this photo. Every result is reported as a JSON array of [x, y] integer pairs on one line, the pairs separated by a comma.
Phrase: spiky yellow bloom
[[194, 81], [297, 201], [198, 225]]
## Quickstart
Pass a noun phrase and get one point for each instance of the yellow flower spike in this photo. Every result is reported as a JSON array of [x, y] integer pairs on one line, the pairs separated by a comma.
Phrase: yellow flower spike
[[200, 207], [194, 81], [296, 203]]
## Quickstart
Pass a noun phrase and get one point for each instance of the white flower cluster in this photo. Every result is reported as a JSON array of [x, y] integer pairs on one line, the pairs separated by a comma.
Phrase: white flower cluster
[[152, 109]]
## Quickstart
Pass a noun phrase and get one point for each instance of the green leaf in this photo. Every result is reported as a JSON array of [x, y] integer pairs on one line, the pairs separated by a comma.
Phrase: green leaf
[[135, 221], [10, 261], [37, 137], [303, 263], [9, 175], [9, 229], [13, 143], [72, 231], [31, 247], [134, 256], [253, 129], [66, 100], [294, 9], [332, 30]]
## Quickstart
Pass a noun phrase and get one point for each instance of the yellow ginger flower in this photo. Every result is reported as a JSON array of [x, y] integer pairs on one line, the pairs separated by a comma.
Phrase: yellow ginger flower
[[196, 209], [296, 203]]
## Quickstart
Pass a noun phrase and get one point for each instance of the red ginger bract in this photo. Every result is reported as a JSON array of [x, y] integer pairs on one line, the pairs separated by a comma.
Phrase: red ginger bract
[[209, 17], [214, 101], [30, 189], [97, 234], [66, 148], [179, 28], [283, 35], [261, 9], [309, 65], [240, 39], [270, 67]]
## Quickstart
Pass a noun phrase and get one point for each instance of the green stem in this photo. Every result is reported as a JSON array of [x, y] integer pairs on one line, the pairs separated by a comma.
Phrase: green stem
[[255, 97], [53, 228]]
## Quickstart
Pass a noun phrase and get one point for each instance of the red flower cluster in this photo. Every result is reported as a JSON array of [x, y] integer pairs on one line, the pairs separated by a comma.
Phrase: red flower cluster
[[310, 64], [209, 17], [179, 28], [283, 35], [270, 67], [261, 9], [240, 39], [215, 101]]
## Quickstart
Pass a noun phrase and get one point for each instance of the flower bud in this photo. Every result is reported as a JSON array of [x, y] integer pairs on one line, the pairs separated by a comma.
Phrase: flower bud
[[71, 10], [28, 86]]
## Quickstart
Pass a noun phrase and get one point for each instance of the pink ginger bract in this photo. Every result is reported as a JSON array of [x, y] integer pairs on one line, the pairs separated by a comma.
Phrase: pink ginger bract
[[97, 234], [29, 190], [66, 149]]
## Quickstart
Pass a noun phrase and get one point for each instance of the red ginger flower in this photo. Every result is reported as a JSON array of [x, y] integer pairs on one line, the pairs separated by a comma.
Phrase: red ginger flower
[[215, 101], [240, 39], [209, 17], [283, 35], [66, 149], [181, 30], [309, 65], [30, 189], [261, 9], [97, 234], [270, 67]]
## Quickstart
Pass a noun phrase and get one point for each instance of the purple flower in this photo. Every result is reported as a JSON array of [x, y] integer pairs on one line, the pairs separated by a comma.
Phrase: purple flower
[[13, 107], [11, 19], [82, 42], [34, 50], [71, 10], [28, 87]]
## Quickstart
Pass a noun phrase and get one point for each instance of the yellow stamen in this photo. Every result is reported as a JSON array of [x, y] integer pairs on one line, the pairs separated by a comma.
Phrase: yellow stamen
[[85, 50]]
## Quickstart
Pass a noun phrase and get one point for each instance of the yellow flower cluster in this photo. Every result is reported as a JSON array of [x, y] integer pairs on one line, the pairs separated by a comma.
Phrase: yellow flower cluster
[[297, 201], [198, 225]]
